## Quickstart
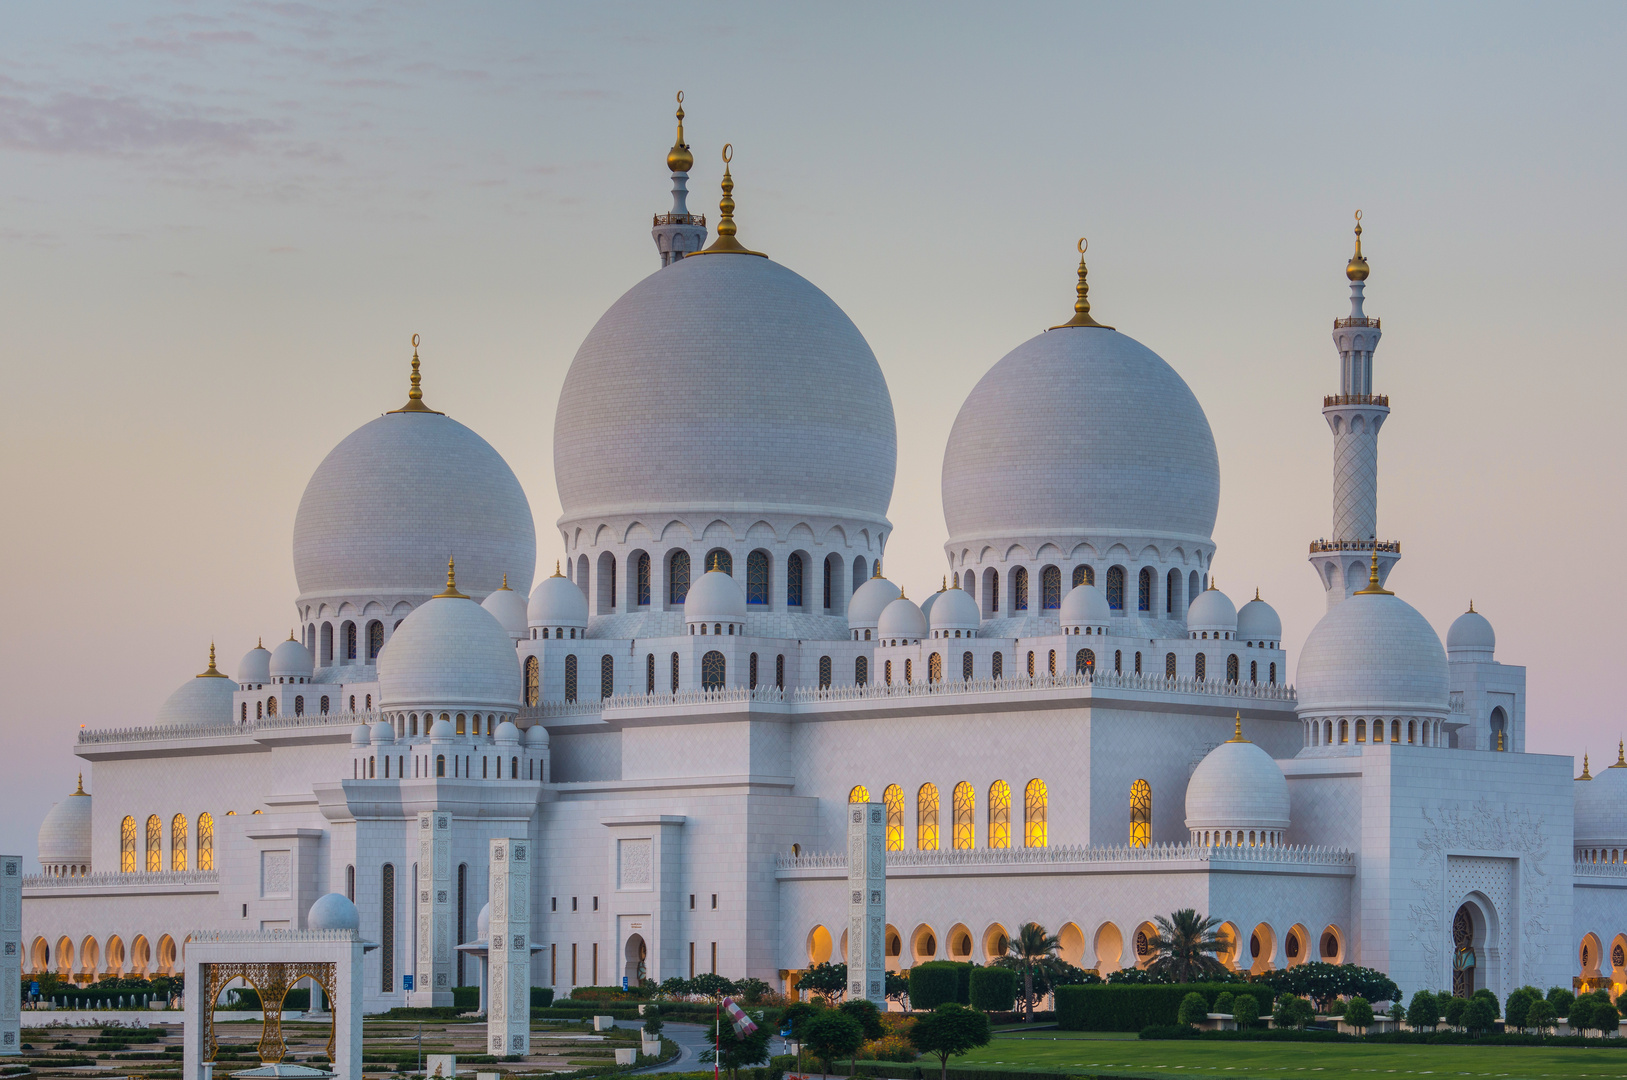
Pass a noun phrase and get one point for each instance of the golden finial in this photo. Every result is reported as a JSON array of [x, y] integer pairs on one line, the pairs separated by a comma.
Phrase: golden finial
[[415, 396], [1256, 592], [210, 672], [1356, 269], [1081, 305], [504, 586], [1621, 761], [679, 159], [1373, 587], [556, 569], [1471, 607], [954, 581], [1500, 744], [259, 643], [1237, 731], [290, 633], [901, 595], [716, 560], [726, 244], [943, 583], [1584, 775], [451, 583], [80, 790]]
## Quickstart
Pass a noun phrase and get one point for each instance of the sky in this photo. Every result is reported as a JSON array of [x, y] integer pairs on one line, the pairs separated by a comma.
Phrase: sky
[[220, 224]]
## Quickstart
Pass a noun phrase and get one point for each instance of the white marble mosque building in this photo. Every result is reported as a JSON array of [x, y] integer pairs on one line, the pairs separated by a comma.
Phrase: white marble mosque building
[[1080, 729]]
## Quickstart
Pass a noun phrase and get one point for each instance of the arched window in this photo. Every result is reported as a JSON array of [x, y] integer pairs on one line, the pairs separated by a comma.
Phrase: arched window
[[1084, 662], [779, 672], [1193, 585], [934, 668], [1344, 731], [1231, 668], [827, 584], [718, 559], [861, 671], [1499, 730], [926, 818], [1050, 584], [350, 641], [678, 577], [1144, 590], [387, 928], [824, 673], [1138, 663], [1169, 665], [607, 675], [965, 811], [757, 577], [859, 794], [1035, 804], [1030, 664], [327, 644], [893, 797], [570, 678], [1253, 671], [713, 670], [997, 666], [533, 688], [1172, 593], [649, 673], [440, 764], [271, 707], [206, 842], [299, 704], [177, 842], [674, 673], [243, 714], [375, 639], [155, 844], [999, 814], [1115, 588], [909, 670], [1118, 661], [887, 672], [1273, 673], [1199, 667], [1140, 814], [642, 569], [966, 666], [1083, 575], [127, 846], [793, 580], [513, 767], [994, 591], [1019, 589], [324, 704], [1050, 664]]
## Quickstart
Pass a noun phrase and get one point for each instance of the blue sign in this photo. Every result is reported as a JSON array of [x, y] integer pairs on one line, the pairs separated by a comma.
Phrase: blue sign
[[406, 982], [34, 988], [624, 982]]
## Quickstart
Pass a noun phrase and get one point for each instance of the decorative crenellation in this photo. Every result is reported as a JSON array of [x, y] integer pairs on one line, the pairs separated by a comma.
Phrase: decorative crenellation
[[152, 732], [236, 936], [1298, 855], [107, 880]]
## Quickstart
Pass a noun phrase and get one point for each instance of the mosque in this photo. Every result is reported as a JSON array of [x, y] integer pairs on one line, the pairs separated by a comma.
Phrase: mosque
[[1078, 729]]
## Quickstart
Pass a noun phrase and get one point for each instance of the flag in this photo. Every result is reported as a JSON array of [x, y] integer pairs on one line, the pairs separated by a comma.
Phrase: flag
[[737, 1016]]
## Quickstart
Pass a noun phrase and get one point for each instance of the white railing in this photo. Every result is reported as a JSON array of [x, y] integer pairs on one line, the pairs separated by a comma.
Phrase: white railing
[[247, 728], [106, 880], [1593, 869], [228, 936], [1156, 853], [549, 709]]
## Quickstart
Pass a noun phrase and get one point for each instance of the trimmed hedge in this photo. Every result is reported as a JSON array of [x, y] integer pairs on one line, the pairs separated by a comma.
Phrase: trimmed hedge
[[938, 981], [541, 996], [993, 989], [1132, 1006]]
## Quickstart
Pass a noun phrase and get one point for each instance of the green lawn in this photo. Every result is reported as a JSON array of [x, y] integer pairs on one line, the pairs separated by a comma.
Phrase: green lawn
[[1080, 1052]]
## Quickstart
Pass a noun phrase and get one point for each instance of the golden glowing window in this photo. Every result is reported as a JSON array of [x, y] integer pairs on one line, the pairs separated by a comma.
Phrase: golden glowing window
[[155, 844], [533, 689], [893, 797], [177, 842], [127, 846], [1035, 802], [926, 818], [1140, 814], [999, 814], [206, 842], [859, 794], [934, 668], [965, 811]]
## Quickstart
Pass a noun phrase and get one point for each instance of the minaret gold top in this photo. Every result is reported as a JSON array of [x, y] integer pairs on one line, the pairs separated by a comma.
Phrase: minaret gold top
[[726, 244], [1081, 304], [679, 159], [1356, 269], [415, 395]]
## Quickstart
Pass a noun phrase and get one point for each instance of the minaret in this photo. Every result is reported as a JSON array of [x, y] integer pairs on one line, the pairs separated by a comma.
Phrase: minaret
[[679, 233], [1355, 414]]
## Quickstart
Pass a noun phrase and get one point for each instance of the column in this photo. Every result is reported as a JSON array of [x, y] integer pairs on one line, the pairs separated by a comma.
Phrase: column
[[508, 1001], [433, 984], [867, 903], [11, 953]]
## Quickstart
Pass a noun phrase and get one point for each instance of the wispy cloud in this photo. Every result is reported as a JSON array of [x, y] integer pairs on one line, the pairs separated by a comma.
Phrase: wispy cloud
[[98, 123]]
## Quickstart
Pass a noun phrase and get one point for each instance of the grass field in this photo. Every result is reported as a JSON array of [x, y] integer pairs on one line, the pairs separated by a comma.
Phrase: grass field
[[1125, 1055]]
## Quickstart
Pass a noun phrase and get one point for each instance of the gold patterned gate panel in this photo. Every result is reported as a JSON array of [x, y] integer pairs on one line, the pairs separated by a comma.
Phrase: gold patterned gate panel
[[271, 982]]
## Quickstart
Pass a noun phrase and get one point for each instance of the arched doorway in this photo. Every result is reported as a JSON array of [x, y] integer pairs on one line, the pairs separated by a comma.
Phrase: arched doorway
[[819, 946], [636, 953], [1465, 956], [1109, 949]]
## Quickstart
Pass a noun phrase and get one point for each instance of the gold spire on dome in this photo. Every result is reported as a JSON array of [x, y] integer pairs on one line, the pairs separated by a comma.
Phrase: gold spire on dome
[[1356, 269], [943, 583], [80, 790], [290, 633], [1373, 587], [717, 557], [954, 581], [1256, 592], [556, 569], [679, 159], [1584, 775], [259, 643], [451, 583], [504, 586], [1237, 731], [877, 574], [1081, 305], [210, 672], [1621, 759], [1471, 607], [726, 244], [415, 396]]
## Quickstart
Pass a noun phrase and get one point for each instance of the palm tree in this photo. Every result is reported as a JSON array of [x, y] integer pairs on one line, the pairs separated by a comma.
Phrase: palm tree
[[1031, 944], [1186, 946]]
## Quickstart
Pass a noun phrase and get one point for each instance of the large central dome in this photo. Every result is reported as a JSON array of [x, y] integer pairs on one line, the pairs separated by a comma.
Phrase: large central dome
[[725, 384]]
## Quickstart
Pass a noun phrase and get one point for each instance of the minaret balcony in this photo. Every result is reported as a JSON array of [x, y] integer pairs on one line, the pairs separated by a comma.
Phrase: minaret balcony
[[1358, 320], [1382, 546], [681, 219], [1330, 400]]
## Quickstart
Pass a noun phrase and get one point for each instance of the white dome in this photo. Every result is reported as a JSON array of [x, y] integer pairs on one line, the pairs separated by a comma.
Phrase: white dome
[[1212, 612], [869, 600], [361, 735], [255, 667], [398, 495], [64, 836], [716, 597], [483, 923], [1080, 433], [507, 734], [760, 396], [203, 699], [1237, 786], [1601, 808], [1471, 637], [290, 660], [1084, 606], [536, 736], [954, 610], [442, 731], [1372, 653], [1258, 621], [383, 733], [930, 601], [449, 653], [556, 601], [333, 911], [902, 619], [509, 608]]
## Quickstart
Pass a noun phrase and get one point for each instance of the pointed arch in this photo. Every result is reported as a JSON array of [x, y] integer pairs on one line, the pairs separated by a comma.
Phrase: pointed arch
[[1036, 808], [965, 810], [999, 814], [926, 818], [893, 799]]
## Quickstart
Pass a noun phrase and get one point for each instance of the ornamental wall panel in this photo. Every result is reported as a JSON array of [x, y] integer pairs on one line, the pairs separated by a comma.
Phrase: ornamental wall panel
[[508, 997]]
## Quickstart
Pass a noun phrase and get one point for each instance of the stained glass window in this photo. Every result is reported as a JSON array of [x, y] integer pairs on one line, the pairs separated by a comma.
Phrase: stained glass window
[[177, 842], [1200, 667], [1144, 590], [1035, 804], [997, 668], [999, 814], [674, 673], [127, 846], [607, 675], [206, 842], [753, 671], [1083, 575], [1019, 589], [375, 639], [533, 690], [926, 818], [649, 673], [824, 673], [1050, 588], [713, 669], [1140, 814], [1084, 662], [966, 665], [678, 577], [861, 671], [1169, 665], [387, 929], [965, 811], [1115, 588], [793, 580], [155, 845], [757, 577], [570, 678], [860, 794], [934, 668], [893, 797], [1231, 668]]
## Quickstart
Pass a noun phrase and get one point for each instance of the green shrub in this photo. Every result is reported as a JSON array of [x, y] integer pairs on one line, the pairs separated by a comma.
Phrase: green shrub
[[1425, 1010], [1561, 999], [1224, 1002], [542, 997], [1607, 1018], [1336, 1007], [1452, 1010], [1541, 1015], [1359, 1014], [936, 982], [466, 998], [1194, 1009], [992, 989], [1132, 1006], [1246, 1011], [1293, 1012]]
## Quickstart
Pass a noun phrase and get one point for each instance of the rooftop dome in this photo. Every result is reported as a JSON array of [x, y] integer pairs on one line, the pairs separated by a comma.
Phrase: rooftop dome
[[869, 600], [449, 653], [716, 597], [1372, 653], [255, 667], [954, 610], [509, 608], [1601, 806], [290, 660], [744, 358], [1084, 606], [1237, 787], [361, 735], [442, 730], [400, 493], [507, 734], [536, 736], [64, 836], [902, 619], [1212, 612], [1471, 637], [203, 699], [383, 732], [334, 911], [1080, 432], [556, 601], [1258, 621]]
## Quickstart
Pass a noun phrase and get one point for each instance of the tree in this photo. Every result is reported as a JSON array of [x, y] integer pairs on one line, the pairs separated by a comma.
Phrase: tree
[[1032, 944], [1561, 1000], [1581, 1013], [1246, 1011], [731, 1050], [751, 991], [949, 1031], [1224, 1002], [827, 980], [1424, 1012], [1186, 946], [833, 1035], [1359, 1014], [1479, 1016], [993, 989], [868, 1017], [1452, 1010], [1541, 1016], [794, 1020], [1323, 982], [652, 1022], [1194, 1009], [1293, 1012], [1517, 1010], [1607, 1018], [898, 987], [709, 984]]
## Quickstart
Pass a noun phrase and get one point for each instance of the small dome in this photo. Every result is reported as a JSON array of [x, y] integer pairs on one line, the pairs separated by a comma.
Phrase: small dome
[[64, 835], [1471, 637], [1212, 612], [203, 699], [1237, 786], [442, 730], [483, 923], [954, 610], [361, 736], [1084, 606], [1258, 621], [509, 608], [450, 653], [716, 597], [902, 619], [507, 734], [255, 667], [1601, 807], [334, 911], [1372, 652], [383, 733], [869, 599], [556, 601], [291, 660], [536, 736]]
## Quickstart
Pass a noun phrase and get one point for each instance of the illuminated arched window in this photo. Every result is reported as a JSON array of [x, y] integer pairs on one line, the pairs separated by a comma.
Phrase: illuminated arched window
[[1231, 668], [607, 675], [926, 818], [127, 846], [1035, 800], [860, 794], [757, 577], [1050, 664], [824, 673], [678, 577], [999, 814], [1115, 588], [206, 842], [909, 670], [1084, 662], [1030, 665], [641, 570], [570, 678], [1050, 588], [1083, 575], [177, 842], [861, 671], [713, 670], [1140, 814], [155, 844], [893, 797], [965, 812], [934, 668], [793, 580], [887, 672], [533, 681], [1019, 589], [271, 707]]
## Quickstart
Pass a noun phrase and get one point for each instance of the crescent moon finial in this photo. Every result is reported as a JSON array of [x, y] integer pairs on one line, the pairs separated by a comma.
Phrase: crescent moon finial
[[415, 341], [728, 152], [1083, 245], [1358, 215], [680, 97]]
